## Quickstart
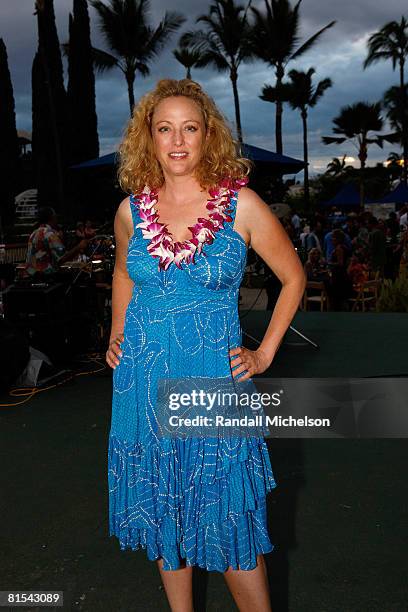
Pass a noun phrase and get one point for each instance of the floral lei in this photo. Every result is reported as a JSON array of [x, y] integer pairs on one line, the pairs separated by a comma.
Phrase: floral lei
[[161, 243]]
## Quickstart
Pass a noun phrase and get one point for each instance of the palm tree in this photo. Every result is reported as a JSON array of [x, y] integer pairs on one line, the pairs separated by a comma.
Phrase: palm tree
[[394, 164], [187, 58], [338, 166], [391, 43], [354, 123], [133, 41], [274, 39], [302, 95], [397, 112], [223, 44]]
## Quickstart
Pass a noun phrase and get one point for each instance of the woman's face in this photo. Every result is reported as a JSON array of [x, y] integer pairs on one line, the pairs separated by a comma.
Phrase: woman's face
[[178, 132]]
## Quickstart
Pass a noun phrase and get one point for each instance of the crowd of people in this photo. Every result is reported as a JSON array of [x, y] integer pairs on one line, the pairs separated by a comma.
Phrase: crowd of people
[[345, 251], [340, 251]]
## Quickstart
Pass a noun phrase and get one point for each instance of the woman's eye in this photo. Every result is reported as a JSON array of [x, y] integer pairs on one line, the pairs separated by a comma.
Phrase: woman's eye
[[162, 129], [192, 127]]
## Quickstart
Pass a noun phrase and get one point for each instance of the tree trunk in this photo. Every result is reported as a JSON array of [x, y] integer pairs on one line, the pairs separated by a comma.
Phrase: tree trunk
[[130, 79], [188, 75], [305, 159], [404, 124], [363, 158], [279, 111], [234, 78]]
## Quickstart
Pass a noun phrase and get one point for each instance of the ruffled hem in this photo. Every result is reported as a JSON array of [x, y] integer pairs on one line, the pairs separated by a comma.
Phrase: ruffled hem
[[198, 499]]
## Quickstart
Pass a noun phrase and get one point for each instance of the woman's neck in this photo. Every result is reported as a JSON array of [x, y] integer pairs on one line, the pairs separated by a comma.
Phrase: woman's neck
[[180, 189]]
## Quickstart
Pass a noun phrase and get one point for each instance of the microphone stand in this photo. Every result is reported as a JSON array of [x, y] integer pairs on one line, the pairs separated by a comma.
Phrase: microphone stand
[[291, 327]]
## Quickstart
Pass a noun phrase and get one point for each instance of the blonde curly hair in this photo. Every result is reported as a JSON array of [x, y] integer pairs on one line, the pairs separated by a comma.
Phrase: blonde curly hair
[[138, 165]]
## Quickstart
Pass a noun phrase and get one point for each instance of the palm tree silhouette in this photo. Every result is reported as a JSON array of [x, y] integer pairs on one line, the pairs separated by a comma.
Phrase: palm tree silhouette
[[354, 123], [338, 166], [133, 41], [396, 110], [302, 95], [224, 43], [187, 58], [391, 43], [274, 39]]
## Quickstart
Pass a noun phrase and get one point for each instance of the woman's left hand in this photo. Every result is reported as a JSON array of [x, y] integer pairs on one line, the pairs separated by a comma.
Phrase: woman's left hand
[[250, 362]]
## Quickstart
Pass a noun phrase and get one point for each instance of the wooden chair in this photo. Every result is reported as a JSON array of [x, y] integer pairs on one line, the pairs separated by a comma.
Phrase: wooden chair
[[366, 294], [321, 298]]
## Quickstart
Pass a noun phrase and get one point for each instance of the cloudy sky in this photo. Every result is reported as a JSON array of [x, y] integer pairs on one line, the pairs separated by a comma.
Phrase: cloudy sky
[[339, 55]]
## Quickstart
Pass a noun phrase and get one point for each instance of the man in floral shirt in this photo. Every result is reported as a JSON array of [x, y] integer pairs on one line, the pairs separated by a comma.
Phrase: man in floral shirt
[[46, 251]]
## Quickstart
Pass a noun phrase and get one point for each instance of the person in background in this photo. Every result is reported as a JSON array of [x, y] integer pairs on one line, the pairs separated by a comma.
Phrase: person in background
[[295, 220], [341, 286], [46, 251], [393, 226], [377, 243], [350, 227], [328, 244], [80, 231], [89, 231], [312, 240], [316, 268], [403, 216], [357, 269]]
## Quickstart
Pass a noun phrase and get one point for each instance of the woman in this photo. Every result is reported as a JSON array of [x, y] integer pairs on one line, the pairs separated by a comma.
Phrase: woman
[[181, 243], [316, 267]]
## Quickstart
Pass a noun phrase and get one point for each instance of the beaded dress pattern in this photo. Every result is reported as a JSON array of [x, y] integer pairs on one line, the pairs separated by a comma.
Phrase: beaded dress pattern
[[200, 499]]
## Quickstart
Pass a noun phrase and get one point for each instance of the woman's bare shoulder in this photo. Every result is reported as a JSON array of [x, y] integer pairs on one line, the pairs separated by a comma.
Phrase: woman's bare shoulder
[[251, 202], [252, 208]]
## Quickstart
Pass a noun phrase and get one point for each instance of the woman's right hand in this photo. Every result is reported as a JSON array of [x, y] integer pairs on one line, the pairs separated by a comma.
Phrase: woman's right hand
[[114, 352]]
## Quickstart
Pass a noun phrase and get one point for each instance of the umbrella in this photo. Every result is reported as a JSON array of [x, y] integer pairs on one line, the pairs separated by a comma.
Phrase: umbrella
[[282, 164]]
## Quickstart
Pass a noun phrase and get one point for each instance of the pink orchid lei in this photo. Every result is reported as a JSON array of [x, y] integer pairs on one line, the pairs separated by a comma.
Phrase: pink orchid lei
[[161, 243]]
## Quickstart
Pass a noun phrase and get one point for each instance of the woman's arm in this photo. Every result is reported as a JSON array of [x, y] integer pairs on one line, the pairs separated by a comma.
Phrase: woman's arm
[[268, 238], [122, 284]]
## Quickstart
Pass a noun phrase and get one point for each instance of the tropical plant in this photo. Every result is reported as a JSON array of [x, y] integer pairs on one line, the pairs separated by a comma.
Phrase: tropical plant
[[393, 294], [224, 44], [133, 41], [275, 39], [50, 138], [302, 95], [397, 113], [81, 86], [338, 166], [354, 123], [9, 151], [391, 43], [187, 58]]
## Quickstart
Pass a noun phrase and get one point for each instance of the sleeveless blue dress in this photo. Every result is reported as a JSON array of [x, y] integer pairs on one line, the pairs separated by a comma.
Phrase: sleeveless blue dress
[[196, 499]]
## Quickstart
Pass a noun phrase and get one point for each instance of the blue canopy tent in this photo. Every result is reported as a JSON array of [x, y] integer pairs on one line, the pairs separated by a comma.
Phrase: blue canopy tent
[[347, 196], [399, 195], [281, 164]]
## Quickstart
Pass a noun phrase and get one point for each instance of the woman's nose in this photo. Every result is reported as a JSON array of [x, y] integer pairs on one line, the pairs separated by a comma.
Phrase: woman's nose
[[178, 137]]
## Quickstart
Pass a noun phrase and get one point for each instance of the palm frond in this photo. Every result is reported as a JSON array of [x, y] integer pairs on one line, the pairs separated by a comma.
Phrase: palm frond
[[103, 60], [333, 140], [311, 41]]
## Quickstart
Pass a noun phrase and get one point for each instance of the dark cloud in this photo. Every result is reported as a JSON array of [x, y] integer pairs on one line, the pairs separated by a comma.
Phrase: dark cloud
[[339, 55]]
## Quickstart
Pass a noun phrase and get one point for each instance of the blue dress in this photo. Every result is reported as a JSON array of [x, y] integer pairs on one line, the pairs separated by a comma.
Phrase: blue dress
[[196, 499]]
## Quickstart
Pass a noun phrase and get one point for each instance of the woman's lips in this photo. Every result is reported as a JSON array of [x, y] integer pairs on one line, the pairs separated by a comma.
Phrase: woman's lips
[[180, 155]]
